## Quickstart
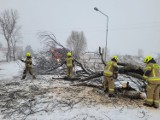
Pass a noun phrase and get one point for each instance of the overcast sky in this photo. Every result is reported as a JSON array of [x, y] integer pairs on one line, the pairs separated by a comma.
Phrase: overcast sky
[[133, 24]]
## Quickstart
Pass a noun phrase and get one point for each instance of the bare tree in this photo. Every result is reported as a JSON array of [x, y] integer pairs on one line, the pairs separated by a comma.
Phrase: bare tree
[[49, 40], [14, 40], [10, 30], [46, 58], [77, 43]]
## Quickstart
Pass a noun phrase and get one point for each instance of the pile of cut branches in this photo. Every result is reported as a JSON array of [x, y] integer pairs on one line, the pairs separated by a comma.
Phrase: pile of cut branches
[[87, 72]]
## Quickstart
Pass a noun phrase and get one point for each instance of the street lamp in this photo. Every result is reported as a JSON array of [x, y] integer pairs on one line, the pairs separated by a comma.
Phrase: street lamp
[[96, 9]]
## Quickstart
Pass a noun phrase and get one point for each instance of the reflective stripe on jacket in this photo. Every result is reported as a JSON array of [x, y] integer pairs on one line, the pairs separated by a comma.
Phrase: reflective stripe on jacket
[[69, 62], [110, 68], [154, 75]]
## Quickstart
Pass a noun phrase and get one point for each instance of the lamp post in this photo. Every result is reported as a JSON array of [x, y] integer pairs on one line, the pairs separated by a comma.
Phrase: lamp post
[[96, 9]]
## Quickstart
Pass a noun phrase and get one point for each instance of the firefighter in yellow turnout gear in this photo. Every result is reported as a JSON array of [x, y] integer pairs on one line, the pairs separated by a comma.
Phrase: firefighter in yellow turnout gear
[[110, 73], [152, 76], [70, 64], [28, 66]]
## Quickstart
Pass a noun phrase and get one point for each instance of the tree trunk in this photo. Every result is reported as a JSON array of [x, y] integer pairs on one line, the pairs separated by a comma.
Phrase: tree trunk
[[8, 52]]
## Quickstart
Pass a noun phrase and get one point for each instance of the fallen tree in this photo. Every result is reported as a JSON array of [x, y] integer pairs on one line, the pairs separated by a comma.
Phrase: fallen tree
[[85, 73]]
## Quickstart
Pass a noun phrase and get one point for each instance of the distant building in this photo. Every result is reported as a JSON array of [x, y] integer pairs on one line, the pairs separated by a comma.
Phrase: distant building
[[3, 53]]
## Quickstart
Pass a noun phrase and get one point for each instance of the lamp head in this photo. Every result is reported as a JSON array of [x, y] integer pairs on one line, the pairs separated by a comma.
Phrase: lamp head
[[96, 9]]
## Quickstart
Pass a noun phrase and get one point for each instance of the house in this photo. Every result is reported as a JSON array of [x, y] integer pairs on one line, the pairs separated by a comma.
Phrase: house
[[3, 53]]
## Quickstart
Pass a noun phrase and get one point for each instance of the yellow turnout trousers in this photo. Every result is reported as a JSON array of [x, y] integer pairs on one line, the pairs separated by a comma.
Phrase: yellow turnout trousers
[[109, 84]]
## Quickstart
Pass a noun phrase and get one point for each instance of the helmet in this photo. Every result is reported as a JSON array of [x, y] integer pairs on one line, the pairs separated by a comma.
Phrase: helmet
[[116, 58], [28, 54], [147, 59], [69, 54]]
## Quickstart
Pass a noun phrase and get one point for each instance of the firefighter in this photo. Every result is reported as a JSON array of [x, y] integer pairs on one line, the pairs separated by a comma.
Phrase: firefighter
[[70, 64], [110, 73], [28, 66], [152, 76]]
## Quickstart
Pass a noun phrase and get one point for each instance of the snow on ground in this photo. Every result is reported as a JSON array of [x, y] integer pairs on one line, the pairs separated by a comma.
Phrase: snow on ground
[[98, 113], [10, 70], [60, 100]]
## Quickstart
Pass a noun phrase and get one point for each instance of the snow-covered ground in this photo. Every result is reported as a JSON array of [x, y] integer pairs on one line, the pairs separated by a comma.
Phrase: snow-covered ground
[[10, 70], [60, 100]]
